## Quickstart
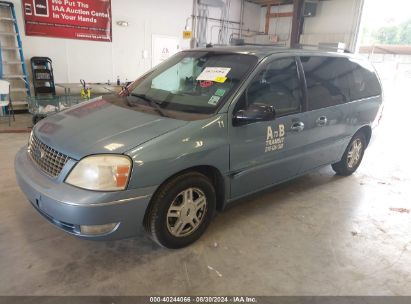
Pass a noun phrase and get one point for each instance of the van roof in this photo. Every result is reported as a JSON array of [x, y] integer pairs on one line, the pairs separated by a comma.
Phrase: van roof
[[264, 51]]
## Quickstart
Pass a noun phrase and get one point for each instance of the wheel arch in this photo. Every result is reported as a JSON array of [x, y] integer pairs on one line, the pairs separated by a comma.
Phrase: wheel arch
[[211, 173], [367, 131], [216, 179]]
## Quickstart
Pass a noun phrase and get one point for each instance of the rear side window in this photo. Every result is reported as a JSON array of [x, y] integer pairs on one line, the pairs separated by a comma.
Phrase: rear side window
[[327, 81], [332, 81]]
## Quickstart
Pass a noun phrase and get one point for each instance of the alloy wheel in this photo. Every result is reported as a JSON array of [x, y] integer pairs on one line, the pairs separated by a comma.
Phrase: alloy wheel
[[186, 212], [354, 154]]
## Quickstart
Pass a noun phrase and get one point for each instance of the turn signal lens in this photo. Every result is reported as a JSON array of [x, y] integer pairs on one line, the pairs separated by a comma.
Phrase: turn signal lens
[[122, 176], [98, 229]]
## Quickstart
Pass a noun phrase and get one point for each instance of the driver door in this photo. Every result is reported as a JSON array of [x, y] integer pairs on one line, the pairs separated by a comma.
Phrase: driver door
[[265, 153]]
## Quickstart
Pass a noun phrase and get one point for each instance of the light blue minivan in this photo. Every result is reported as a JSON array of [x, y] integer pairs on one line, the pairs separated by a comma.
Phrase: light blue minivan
[[204, 128]]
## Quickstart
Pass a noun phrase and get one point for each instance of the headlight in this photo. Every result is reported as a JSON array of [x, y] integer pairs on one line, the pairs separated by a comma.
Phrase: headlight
[[101, 173]]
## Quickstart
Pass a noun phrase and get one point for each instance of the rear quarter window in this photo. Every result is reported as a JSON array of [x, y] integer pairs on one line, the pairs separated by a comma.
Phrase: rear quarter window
[[363, 80], [336, 80]]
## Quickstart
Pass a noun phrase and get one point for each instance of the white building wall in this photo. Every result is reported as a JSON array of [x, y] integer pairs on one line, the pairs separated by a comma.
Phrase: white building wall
[[336, 21], [279, 27], [100, 61], [252, 17], [251, 20], [392, 68]]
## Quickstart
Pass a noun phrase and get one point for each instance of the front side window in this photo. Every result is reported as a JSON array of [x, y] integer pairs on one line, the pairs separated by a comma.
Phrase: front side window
[[277, 85], [192, 82]]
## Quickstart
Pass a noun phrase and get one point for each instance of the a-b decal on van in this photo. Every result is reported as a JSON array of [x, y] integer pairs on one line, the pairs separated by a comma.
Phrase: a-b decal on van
[[275, 139]]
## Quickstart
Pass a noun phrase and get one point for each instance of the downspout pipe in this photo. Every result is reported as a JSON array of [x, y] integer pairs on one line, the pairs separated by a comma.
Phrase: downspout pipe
[[242, 18], [193, 42]]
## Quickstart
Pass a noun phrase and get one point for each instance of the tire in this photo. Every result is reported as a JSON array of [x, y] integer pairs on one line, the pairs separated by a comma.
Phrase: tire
[[346, 167], [173, 211]]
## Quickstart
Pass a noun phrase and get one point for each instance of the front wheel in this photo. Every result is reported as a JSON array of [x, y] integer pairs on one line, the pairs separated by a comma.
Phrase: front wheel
[[352, 157], [181, 210]]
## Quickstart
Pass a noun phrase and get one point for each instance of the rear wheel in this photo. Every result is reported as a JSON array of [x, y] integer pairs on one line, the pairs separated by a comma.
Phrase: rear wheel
[[352, 157], [181, 210]]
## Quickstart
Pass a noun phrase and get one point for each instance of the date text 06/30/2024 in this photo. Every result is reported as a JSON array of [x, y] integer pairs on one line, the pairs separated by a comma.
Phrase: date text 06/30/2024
[[204, 299]]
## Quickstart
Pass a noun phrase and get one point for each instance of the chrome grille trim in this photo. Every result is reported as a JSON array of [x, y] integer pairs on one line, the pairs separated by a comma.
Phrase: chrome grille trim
[[49, 160]]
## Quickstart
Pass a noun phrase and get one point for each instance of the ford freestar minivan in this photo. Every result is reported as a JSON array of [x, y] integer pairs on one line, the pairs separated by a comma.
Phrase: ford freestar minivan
[[204, 128]]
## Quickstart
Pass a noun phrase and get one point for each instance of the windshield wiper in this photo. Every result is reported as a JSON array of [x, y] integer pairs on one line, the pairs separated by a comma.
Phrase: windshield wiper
[[154, 104]]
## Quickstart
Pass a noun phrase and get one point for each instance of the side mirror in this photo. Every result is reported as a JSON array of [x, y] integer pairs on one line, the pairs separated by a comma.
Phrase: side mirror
[[254, 113]]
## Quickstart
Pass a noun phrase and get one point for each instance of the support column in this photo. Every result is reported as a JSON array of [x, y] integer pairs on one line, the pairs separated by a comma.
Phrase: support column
[[298, 22]]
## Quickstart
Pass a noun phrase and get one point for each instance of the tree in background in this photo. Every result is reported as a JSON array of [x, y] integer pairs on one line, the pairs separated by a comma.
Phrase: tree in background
[[395, 34], [387, 35], [405, 34]]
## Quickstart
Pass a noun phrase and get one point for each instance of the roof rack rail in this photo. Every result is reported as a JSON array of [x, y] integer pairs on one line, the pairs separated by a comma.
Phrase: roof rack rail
[[242, 42], [278, 44], [210, 45], [339, 47]]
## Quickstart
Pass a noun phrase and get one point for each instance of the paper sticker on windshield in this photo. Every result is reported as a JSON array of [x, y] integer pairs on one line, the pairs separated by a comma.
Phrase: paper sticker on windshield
[[214, 100], [220, 79], [206, 83], [220, 92], [213, 73]]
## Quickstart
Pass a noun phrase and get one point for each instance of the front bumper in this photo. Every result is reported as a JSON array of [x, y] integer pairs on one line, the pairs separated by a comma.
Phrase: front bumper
[[68, 207]]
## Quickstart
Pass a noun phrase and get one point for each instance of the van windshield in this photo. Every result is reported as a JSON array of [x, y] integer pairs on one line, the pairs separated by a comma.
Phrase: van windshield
[[192, 82]]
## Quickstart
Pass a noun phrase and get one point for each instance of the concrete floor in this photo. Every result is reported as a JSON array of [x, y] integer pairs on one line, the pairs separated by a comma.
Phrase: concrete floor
[[21, 124], [318, 235]]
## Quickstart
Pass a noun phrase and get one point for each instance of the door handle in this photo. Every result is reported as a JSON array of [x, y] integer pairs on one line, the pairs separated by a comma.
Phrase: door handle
[[297, 126], [322, 121]]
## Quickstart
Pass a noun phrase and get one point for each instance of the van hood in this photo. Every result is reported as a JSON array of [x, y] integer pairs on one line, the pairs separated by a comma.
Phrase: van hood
[[98, 126]]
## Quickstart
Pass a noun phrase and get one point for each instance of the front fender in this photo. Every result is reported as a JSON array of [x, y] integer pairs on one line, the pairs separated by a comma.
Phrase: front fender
[[199, 143]]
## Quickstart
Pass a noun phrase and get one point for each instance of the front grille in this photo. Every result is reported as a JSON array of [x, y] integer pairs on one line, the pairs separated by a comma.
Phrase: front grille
[[48, 159]]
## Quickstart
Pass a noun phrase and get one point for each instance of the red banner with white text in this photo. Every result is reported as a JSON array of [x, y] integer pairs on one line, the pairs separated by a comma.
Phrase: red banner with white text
[[73, 19]]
